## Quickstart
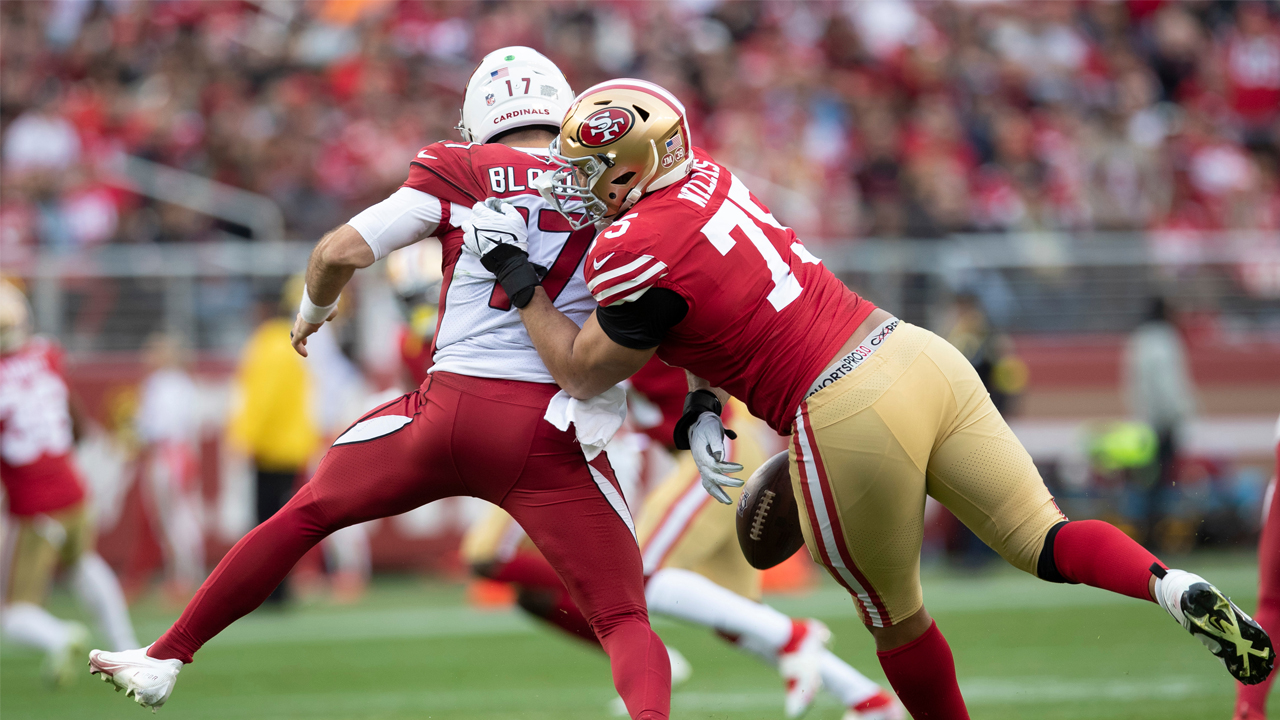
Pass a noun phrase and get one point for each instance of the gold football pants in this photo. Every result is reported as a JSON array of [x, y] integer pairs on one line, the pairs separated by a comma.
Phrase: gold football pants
[[37, 546], [914, 419]]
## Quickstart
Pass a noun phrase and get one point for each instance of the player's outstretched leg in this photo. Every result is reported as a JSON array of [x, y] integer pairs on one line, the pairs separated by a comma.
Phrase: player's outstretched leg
[[860, 695], [376, 477], [1096, 553], [575, 514], [798, 646], [62, 641], [917, 660], [98, 590]]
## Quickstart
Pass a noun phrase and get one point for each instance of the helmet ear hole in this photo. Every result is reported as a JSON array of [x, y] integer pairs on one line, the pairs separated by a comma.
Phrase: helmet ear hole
[[623, 179]]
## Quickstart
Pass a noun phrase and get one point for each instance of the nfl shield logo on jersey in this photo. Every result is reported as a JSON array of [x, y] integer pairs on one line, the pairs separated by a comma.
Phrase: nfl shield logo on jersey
[[604, 126], [488, 99]]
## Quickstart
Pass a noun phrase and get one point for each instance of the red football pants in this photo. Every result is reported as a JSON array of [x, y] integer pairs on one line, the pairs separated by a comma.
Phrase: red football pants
[[1251, 700], [461, 436]]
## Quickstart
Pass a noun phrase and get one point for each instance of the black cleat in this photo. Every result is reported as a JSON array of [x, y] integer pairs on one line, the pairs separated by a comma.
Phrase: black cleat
[[1234, 637]]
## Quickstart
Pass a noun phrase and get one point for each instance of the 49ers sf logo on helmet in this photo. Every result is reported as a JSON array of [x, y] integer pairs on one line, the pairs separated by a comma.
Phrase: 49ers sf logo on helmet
[[604, 126]]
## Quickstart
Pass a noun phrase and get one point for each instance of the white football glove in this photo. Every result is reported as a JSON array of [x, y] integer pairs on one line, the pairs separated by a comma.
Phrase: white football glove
[[493, 223], [706, 442]]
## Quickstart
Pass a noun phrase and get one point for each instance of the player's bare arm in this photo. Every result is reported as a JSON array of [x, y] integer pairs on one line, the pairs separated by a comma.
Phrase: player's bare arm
[[696, 383], [334, 260], [584, 361]]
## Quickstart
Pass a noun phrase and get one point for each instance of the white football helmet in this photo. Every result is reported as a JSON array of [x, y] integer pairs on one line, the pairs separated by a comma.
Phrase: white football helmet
[[15, 318], [514, 87]]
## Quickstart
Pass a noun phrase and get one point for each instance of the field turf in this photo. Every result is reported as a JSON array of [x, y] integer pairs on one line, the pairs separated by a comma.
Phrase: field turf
[[414, 650]]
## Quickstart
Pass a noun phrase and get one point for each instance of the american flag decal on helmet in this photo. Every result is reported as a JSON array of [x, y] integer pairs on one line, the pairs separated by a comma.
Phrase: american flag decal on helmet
[[499, 73], [626, 282]]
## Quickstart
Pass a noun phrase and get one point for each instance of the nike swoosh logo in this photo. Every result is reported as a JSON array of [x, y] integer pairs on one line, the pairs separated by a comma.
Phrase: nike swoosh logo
[[597, 264], [423, 154]]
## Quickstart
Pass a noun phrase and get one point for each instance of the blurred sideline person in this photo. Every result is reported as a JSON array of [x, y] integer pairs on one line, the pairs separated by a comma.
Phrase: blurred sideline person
[[881, 412], [694, 568], [988, 350], [47, 525], [1161, 393], [1251, 700], [476, 427], [168, 427], [272, 419]]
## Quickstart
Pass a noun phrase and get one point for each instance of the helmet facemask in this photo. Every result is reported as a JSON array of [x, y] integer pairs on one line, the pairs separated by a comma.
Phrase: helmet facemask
[[588, 180]]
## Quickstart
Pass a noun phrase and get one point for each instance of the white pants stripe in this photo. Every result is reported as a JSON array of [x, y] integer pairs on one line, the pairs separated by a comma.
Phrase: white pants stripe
[[614, 497], [825, 533]]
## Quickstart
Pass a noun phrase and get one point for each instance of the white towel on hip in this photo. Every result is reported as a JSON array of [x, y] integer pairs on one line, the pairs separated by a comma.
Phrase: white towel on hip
[[595, 421]]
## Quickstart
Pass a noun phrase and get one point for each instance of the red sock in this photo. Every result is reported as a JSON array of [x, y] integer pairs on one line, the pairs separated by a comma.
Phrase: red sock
[[528, 569], [1251, 700], [1100, 555], [923, 673], [799, 631]]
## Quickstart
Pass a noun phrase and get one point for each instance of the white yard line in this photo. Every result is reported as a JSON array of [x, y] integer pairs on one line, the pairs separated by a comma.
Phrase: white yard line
[[978, 692]]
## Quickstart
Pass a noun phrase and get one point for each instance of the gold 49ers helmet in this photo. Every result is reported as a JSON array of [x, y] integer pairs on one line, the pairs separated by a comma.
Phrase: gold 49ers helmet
[[15, 318], [620, 139]]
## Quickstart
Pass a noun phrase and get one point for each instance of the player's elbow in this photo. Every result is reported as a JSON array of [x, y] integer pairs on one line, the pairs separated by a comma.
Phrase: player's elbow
[[585, 386], [580, 390], [344, 248]]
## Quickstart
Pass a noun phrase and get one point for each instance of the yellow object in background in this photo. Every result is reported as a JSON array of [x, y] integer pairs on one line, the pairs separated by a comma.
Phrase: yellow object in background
[[272, 419]]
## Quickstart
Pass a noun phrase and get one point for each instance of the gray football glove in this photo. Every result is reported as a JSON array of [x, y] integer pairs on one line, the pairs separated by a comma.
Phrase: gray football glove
[[706, 442]]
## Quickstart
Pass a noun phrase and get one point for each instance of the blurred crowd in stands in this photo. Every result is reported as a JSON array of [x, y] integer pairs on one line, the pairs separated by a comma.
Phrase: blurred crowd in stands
[[853, 119]]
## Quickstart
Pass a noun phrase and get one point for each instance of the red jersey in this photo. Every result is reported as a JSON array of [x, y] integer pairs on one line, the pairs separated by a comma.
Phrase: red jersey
[[1253, 75], [666, 387], [35, 431], [765, 317], [479, 333]]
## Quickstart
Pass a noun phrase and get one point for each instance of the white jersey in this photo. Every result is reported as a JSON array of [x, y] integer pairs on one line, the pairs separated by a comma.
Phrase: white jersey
[[479, 332]]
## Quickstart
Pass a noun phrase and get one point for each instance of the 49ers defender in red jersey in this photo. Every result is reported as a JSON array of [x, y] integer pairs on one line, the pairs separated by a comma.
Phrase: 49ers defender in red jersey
[[48, 525], [440, 440], [882, 413]]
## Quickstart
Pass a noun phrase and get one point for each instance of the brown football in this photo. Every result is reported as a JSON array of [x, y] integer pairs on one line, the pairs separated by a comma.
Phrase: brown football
[[768, 519]]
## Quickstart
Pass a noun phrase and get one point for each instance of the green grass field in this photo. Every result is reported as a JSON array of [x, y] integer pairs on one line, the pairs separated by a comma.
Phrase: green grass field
[[1024, 649]]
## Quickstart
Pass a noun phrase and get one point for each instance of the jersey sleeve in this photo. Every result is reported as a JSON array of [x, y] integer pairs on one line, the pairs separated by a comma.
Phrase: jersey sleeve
[[615, 275], [403, 219], [643, 323], [447, 170]]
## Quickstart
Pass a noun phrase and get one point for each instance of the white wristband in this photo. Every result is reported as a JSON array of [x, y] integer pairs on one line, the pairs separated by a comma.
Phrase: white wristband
[[313, 313]]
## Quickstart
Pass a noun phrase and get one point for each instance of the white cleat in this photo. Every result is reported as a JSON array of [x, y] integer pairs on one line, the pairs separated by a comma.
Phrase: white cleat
[[801, 667], [61, 666], [881, 706], [143, 678]]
